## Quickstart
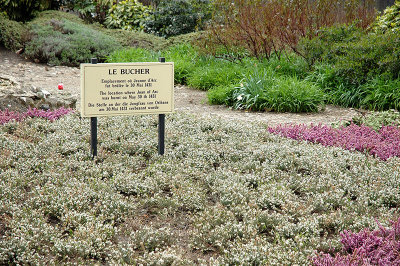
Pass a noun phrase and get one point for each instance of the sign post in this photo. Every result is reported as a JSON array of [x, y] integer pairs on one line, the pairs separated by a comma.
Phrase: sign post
[[127, 89], [161, 125], [93, 128]]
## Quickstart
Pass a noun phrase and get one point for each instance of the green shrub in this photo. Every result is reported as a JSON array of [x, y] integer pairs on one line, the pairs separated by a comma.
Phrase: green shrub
[[44, 17], [177, 17], [63, 42], [267, 91], [290, 65], [327, 45], [185, 59], [184, 56], [382, 94], [128, 15], [220, 95], [192, 38], [211, 72], [23, 10], [132, 55], [13, 35], [390, 19], [356, 56], [91, 10], [136, 39]]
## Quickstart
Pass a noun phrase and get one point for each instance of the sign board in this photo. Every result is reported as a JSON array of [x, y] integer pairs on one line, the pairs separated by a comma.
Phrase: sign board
[[127, 89]]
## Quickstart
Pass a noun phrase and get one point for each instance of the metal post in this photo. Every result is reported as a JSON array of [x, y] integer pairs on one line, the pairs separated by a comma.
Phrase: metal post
[[161, 125], [93, 127]]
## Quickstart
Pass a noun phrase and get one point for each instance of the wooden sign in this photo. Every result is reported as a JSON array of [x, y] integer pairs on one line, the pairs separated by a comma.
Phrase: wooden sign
[[127, 89]]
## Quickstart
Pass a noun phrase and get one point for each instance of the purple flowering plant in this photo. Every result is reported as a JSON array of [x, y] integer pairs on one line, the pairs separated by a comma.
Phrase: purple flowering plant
[[384, 143], [7, 116], [379, 247]]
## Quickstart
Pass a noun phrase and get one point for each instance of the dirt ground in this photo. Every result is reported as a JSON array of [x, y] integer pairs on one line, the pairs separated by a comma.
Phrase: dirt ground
[[186, 99]]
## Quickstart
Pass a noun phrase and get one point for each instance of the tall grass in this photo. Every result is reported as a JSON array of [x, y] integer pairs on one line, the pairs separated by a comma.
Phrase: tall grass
[[267, 91]]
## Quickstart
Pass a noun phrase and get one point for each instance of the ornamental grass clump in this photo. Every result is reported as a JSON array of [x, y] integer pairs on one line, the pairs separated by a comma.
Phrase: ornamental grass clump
[[383, 144], [378, 247]]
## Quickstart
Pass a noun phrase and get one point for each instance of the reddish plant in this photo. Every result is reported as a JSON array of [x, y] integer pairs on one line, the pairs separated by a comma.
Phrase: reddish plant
[[383, 144], [263, 28], [379, 247], [8, 116]]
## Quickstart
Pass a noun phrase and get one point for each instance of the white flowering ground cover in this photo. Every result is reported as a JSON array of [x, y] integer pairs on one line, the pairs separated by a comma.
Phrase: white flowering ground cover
[[224, 193]]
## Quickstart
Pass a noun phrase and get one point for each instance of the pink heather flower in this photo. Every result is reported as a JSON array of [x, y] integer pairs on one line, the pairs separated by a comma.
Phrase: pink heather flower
[[383, 144], [379, 247], [7, 116]]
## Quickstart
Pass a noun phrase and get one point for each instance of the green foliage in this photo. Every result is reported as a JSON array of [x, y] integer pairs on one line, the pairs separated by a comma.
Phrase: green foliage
[[210, 73], [192, 38], [355, 68], [220, 95], [185, 58], [23, 10], [356, 56], [382, 94], [378, 119], [63, 42], [136, 39], [266, 91], [389, 20], [177, 17], [132, 55], [91, 10], [13, 35], [320, 48], [128, 15]]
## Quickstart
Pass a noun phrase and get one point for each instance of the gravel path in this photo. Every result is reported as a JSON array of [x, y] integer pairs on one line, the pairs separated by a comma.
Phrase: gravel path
[[186, 99]]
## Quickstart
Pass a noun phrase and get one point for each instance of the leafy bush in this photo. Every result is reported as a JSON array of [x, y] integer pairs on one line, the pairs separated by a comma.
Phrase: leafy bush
[[210, 73], [389, 20], [220, 95], [13, 35], [264, 28], [23, 10], [128, 15], [177, 17], [136, 39], [378, 247], [382, 94], [356, 56], [185, 58], [62, 42], [354, 68], [91, 10], [266, 91]]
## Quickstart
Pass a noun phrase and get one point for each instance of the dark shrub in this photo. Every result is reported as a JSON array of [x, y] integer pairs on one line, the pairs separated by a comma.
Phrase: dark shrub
[[63, 42], [13, 35], [177, 17], [23, 10]]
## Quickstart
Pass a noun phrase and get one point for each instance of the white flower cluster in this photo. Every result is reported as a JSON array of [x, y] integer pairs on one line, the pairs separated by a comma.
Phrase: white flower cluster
[[224, 193]]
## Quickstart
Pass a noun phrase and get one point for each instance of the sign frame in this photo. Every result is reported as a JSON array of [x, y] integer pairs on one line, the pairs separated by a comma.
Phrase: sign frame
[[94, 83]]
